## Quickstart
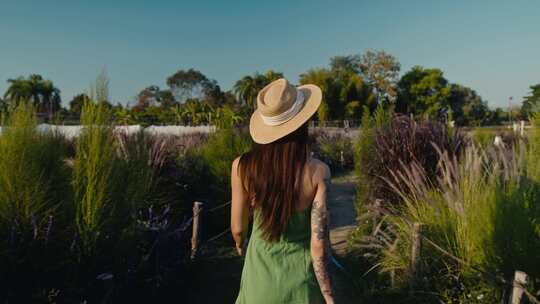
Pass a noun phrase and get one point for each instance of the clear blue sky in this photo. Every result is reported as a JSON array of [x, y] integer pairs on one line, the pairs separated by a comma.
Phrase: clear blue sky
[[491, 46]]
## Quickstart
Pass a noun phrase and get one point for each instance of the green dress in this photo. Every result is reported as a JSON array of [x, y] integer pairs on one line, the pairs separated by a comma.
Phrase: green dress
[[280, 272]]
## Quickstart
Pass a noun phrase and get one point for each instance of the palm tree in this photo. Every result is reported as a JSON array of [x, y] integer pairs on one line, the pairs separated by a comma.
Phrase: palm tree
[[194, 111], [42, 93], [50, 97], [178, 114], [3, 106], [206, 111], [324, 80], [19, 89], [226, 117], [248, 87], [271, 75]]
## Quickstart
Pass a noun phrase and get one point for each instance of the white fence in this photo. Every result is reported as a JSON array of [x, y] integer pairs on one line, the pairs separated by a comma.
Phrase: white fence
[[70, 132]]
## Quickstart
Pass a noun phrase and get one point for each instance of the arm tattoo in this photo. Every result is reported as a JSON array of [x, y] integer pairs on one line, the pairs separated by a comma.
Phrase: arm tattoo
[[320, 267], [319, 222]]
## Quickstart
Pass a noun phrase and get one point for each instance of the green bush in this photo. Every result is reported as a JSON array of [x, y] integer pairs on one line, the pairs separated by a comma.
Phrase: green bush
[[336, 150], [482, 210], [483, 137], [364, 149], [220, 151], [97, 224], [34, 202], [95, 179], [387, 142]]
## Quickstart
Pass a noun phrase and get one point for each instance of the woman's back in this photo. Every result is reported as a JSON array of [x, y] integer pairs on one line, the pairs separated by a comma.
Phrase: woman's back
[[286, 259], [281, 271]]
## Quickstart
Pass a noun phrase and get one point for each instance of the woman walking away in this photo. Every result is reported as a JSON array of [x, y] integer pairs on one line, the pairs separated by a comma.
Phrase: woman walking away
[[288, 251]]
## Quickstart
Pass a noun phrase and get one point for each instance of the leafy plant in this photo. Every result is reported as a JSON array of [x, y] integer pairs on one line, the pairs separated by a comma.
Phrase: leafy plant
[[336, 150], [94, 179], [220, 151], [479, 217], [34, 195], [387, 142]]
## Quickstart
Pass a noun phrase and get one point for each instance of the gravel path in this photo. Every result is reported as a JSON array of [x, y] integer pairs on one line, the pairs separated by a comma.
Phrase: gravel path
[[342, 213]]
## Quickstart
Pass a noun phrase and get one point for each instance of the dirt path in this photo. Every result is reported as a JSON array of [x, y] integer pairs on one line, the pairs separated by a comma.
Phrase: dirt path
[[342, 213]]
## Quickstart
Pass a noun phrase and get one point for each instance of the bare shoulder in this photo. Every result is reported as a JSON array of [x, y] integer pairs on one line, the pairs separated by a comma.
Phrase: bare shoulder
[[235, 164], [236, 161], [320, 170]]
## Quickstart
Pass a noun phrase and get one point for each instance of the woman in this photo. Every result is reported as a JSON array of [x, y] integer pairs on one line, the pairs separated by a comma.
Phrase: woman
[[288, 250]]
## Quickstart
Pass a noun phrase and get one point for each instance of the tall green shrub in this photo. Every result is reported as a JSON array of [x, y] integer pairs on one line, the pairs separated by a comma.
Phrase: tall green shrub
[[140, 159], [32, 173], [220, 151], [366, 151], [94, 179], [34, 196]]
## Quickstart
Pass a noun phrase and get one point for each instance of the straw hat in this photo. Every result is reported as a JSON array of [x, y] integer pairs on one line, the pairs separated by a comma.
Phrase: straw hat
[[281, 109]]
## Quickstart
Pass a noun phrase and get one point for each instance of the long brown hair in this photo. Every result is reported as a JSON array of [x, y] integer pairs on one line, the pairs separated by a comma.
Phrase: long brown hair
[[272, 175]]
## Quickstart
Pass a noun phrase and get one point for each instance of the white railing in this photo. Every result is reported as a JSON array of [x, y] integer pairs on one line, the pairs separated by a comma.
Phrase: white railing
[[70, 132]]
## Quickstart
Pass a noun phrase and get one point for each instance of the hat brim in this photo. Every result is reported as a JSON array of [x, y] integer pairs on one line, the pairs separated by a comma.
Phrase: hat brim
[[265, 134]]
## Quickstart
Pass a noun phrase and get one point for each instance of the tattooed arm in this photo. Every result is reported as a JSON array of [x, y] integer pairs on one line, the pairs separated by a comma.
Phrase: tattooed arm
[[320, 240]]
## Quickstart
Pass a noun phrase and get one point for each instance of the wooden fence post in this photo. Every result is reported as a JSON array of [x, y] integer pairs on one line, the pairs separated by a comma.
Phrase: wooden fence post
[[520, 279], [416, 248], [196, 225]]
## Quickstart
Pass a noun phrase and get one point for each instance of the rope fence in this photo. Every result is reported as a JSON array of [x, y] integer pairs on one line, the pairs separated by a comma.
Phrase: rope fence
[[196, 220]]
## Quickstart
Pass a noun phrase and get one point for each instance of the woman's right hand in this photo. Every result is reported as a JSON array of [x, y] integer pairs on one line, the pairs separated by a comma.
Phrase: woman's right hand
[[241, 249], [329, 300]]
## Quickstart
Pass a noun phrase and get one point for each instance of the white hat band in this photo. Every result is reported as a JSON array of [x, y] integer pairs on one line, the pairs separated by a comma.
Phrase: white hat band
[[287, 115]]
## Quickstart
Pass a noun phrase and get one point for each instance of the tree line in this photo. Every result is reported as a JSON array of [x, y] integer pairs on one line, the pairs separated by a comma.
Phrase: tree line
[[351, 85]]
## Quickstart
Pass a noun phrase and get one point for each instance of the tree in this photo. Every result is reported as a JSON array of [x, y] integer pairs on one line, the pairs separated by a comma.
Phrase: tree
[[3, 107], [468, 108], [270, 76], [196, 112], [423, 92], [76, 104], [531, 102], [346, 64], [149, 96], [42, 93], [192, 84], [123, 116], [226, 117], [323, 78], [21, 89], [355, 89], [381, 70], [341, 85], [247, 89], [154, 96], [249, 86]]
